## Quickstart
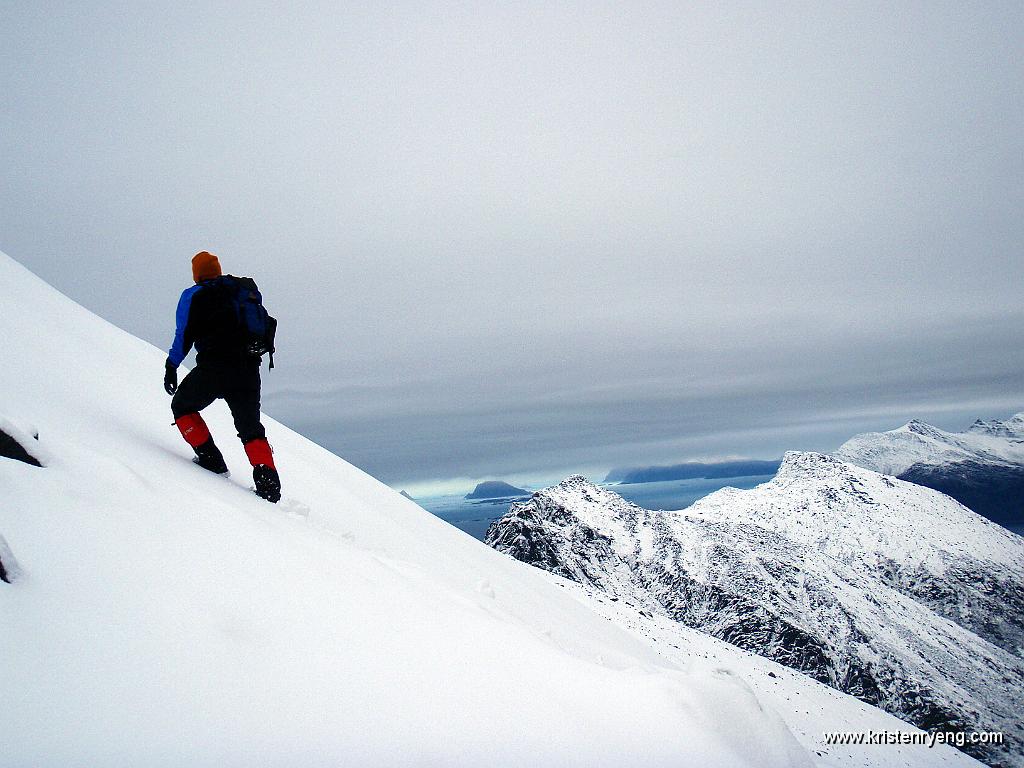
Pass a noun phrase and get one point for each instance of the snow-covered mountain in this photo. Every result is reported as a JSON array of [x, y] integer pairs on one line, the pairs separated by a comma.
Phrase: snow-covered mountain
[[889, 591], [982, 467], [154, 614], [896, 451]]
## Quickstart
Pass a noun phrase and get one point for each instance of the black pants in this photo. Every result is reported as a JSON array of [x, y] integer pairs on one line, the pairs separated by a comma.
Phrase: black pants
[[238, 386]]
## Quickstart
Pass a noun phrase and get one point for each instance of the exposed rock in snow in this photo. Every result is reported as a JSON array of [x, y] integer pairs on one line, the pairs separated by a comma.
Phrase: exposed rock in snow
[[886, 590], [9, 569], [16, 444]]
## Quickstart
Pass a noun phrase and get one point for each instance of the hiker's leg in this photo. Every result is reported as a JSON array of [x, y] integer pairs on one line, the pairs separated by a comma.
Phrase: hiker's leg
[[196, 391], [243, 398], [242, 394]]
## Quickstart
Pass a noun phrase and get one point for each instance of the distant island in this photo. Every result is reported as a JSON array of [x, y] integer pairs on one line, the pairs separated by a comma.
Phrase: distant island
[[495, 489], [692, 470]]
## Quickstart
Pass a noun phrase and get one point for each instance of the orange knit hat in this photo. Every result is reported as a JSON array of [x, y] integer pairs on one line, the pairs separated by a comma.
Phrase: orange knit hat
[[205, 266]]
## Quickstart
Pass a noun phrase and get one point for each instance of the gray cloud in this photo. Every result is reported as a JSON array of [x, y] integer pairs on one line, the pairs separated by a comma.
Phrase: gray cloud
[[545, 236], [592, 410]]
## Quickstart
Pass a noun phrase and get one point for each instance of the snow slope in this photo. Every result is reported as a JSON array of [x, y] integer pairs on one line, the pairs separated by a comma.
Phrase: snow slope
[[884, 589], [162, 616]]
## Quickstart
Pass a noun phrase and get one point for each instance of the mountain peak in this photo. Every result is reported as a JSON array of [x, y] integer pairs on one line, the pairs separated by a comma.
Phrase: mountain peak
[[924, 429], [576, 482], [804, 463], [1012, 427], [577, 488], [917, 444]]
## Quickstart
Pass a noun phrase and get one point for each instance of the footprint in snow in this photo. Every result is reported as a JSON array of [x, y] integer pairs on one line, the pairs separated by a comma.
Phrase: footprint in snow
[[294, 508], [484, 588]]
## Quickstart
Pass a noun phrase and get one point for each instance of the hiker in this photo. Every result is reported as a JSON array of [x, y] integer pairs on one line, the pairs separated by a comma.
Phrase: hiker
[[218, 315]]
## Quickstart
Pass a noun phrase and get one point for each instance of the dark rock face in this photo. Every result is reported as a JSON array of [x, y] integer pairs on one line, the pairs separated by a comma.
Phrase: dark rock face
[[968, 594], [9, 570], [995, 491], [873, 624], [12, 449], [496, 489]]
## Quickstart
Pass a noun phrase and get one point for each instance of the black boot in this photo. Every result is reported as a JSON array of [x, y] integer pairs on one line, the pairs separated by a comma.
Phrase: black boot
[[209, 457], [268, 484]]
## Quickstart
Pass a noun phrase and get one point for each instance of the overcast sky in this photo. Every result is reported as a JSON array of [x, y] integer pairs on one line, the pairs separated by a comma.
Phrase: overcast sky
[[518, 240]]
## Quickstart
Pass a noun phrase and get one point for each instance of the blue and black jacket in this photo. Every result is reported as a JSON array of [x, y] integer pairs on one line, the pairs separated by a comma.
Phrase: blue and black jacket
[[206, 319]]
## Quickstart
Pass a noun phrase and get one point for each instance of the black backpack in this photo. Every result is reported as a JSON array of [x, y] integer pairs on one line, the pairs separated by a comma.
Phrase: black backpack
[[255, 324]]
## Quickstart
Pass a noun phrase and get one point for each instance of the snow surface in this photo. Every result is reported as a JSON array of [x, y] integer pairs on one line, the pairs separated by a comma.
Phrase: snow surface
[[896, 451], [163, 616]]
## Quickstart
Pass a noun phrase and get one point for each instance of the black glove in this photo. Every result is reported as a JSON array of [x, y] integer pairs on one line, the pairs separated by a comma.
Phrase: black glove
[[170, 378]]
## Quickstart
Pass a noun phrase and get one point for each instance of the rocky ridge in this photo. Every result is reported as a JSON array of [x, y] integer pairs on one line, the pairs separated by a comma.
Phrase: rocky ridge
[[880, 588]]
